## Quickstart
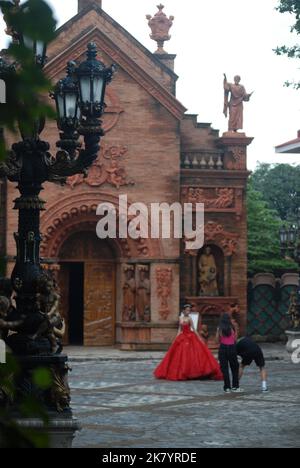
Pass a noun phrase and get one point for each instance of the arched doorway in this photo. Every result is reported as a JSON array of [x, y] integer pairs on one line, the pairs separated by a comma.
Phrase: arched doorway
[[87, 280]]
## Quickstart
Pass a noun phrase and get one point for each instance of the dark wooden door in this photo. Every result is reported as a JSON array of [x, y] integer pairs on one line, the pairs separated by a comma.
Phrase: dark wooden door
[[99, 304], [93, 289]]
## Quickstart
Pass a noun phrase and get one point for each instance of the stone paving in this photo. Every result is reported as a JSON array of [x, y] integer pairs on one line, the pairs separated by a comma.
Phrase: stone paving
[[120, 405]]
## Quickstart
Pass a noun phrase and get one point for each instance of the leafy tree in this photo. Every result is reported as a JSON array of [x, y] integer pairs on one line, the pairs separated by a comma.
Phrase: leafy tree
[[263, 236], [292, 7], [25, 86], [279, 185]]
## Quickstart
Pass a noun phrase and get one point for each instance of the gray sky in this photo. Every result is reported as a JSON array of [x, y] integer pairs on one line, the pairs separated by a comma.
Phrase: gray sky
[[210, 38]]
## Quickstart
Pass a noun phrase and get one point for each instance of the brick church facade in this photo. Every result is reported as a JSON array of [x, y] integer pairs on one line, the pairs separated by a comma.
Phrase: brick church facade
[[129, 292]]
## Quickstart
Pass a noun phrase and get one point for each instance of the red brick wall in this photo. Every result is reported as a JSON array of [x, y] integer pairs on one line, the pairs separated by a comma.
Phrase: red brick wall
[[152, 161]]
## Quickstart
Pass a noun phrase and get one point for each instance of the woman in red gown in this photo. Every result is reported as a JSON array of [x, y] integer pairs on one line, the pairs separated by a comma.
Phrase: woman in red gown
[[188, 358]]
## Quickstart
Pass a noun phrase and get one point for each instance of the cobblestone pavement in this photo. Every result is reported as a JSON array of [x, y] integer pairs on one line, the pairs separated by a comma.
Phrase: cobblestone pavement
[[80, 353], [120, 405]]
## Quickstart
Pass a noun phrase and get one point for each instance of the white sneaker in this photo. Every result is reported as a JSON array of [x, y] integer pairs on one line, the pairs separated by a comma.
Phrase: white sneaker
[[265, 390], [237, 390], [227, 390]]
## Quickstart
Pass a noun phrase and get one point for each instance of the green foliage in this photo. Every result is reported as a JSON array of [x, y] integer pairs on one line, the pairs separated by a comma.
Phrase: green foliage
[[263, 235], [273, 199], [279, 185], [42, 378], [292, 7], [26, 105], [26, 89], [34, 19], [11, 434]]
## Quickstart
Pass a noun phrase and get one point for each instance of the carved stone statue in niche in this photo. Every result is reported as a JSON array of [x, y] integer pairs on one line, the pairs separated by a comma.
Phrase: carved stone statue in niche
[[208, 274], [143, 298], [129, 291]]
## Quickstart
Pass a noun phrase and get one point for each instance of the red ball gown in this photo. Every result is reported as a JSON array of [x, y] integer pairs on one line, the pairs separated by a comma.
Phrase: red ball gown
[[188, 359]]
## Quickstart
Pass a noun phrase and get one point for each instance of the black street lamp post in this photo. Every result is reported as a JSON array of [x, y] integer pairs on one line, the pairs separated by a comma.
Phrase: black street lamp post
[[37, 325], [290, 241], [66, 97]]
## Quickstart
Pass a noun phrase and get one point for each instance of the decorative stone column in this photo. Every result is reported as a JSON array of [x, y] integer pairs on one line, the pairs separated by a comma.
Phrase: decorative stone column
[[235, 146]]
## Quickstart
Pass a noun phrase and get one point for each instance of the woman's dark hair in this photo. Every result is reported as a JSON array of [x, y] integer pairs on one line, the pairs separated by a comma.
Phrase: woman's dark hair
[[226, 327]]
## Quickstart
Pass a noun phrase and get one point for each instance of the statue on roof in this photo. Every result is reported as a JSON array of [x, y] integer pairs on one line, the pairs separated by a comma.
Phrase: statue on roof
[[234, 97]]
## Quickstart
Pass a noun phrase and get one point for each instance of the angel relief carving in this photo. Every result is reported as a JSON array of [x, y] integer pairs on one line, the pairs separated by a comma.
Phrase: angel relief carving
[[107, 168], [212, 198], [216, 199]]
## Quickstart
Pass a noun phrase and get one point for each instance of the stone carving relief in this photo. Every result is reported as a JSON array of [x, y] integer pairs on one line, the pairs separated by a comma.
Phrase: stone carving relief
[[143, 294], [136, 293], [129, 294], [216, 233], [164, 279], [221, 199], [76, 213], [212, 198], [239, 156], [210, 306], [228, 241], [108, 168]]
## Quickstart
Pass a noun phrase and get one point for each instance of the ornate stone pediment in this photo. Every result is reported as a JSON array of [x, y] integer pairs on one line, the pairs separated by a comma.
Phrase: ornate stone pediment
[[226, 240], [215, 233], [76, 50], [77, 213]]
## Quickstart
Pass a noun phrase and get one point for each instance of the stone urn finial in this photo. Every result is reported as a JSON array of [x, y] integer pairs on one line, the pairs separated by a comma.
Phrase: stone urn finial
[[160, 26]]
